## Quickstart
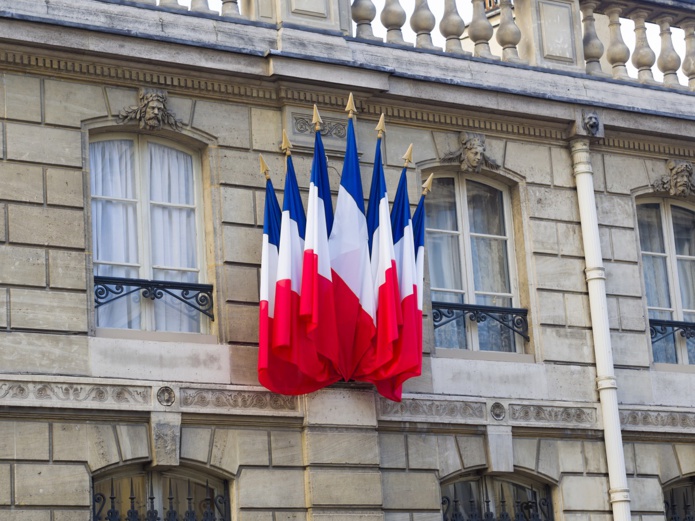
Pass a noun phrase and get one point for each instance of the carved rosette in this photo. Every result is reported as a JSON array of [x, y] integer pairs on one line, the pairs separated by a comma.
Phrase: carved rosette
[[471, 154], [151, 112], [679, 180]]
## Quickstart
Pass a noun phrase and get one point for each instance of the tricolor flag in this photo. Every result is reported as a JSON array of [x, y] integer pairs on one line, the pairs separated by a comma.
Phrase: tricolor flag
[[352, 275], [317, 304], [419, 239], [384, 272]]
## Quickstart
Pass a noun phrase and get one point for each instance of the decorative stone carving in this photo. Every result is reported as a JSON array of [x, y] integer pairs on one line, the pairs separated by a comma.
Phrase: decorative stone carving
[[591, 123], [497, 411], [679, 181], [331, 127], [166, 396], [208, 398], [680, 420], [551, 414], [151, 111], [471, 154], [69, 392], [165, 428], [432, 409]]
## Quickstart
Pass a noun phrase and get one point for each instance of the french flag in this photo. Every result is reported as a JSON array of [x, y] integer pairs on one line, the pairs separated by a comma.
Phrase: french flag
[[384, 273], [317, 303], [352, 275], [407, 359], [419, 240]]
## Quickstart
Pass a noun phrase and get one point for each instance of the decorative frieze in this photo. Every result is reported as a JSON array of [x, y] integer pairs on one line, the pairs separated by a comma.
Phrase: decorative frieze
[[11, 391], [431, 410], [660, 419], [335, 128], [244, 400], [551, 414]]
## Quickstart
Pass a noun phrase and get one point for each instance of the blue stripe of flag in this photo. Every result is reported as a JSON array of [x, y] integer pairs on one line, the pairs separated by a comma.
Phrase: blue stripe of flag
[[271, 215], [319, 176], [351, 178], [400, 213], [376, 193], [293, 201]]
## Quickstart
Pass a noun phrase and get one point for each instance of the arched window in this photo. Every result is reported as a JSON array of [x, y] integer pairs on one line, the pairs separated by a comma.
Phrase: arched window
[[147, 235], [491, 497], [667, 243], [679, 498], [471, 265], [177, 491]]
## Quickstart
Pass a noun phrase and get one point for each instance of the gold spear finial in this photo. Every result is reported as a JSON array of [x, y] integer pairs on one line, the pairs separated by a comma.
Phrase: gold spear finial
[[408, 157], [286, 146], [381, 127], [317, 121], [427, 186], [350, 108], [265, 169]]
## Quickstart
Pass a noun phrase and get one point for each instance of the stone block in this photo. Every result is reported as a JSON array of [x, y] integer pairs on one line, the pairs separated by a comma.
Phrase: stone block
[[342, 448], [46, 226], [578, 313], [529, 160], [629, 450], [242, 323], [19, 182], [181, 107], [657, 459], [271, 488], [563, 274], [599, 172], [604, 236], [623, 173], [357, 488], [525, 451], [472, 450], [3, 308], [22, 266], [411, 491], [632, 314], [102, 447], [567, 345], [338, 515], [22, 97], [64, 187], [615, 210], [449, 457], [552, 308], [68, 104], [630, 349], [70, 515], [119, 99], [646, 495], [195, 443], [623, 279], [52, 485], [548, 459], [52, 310], [613, 313], [426, 516], [286, 448], [422, 452], [3, 221], [570, 456], [238, 206], [585, 493], [241, 283], [291, 516], [563, 173], [24, 440], [595, 457], [250, 515], [341, 407], [214, 119], [58, 146], [242, 244], [70, 442], [634, 387], [397, 141], [5, 485], [234, 448], [570, 239], [556, 204], [686, 457], [624, 245], [392, 451], [133, 441], [500, 449], [396, 516], [36, 515], [67, 269], [243, 361], [266, 128], [544, 235], [165, 438]]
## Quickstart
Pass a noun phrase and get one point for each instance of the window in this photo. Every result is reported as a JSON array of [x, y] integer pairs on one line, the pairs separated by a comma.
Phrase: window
[[679, 499], [474, 497], [171, 492], [667, 242], [470, 254], [146, 222]]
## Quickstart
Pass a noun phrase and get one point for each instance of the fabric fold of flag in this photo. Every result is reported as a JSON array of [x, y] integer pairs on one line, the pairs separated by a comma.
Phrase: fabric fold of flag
[[351, 269]]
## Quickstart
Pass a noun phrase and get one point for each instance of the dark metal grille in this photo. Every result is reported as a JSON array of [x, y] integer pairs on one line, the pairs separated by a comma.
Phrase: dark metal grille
[[673, 508], [516, 511], [660, 329], [514, 319], [215, 508], [196, 296]]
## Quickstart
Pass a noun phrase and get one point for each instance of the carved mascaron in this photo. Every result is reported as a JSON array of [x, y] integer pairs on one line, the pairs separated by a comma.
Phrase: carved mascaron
[[471, 153], [151, 111], [679, 181]]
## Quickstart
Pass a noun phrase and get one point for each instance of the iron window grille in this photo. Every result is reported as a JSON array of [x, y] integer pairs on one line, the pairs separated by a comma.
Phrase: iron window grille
[[514, 319], [661, 329], [678, 505], [454, 510]]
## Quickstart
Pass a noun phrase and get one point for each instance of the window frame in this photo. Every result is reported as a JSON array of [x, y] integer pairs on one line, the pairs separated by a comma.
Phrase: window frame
[[143, 206], [677, 311], [464, 235]]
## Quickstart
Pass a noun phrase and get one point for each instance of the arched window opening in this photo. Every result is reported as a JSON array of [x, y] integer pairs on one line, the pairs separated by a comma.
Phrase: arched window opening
[[678, 500], [496, 498], [173, 494]]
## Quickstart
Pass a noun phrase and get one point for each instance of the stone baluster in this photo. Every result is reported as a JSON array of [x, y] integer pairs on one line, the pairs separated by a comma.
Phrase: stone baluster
[[668, 61], [452, 27], [171, 4], [393, 18], [200, 6], [618, 53], [422, 22], [593, 48], [643, 58], [363, 12], [480, 31], [230, 8], [689, 60], [508, 34]]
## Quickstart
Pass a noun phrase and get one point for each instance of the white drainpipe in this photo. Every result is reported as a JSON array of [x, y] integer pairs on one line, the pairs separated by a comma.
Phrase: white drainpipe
[[605, 374]]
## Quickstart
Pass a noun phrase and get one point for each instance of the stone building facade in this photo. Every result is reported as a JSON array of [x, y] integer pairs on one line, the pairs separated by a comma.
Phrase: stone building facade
[[93, 399]]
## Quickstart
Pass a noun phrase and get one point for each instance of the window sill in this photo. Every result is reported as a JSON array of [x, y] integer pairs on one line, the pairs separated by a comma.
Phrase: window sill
[[155, 336], [491, 356], [674, 368]]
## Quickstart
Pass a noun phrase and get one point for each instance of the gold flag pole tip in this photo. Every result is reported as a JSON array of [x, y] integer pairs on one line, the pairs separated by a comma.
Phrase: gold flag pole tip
[[286, 145], [317, 121], [381, 127], [408, 157], [350, 107], [265, 169], [427, 186]]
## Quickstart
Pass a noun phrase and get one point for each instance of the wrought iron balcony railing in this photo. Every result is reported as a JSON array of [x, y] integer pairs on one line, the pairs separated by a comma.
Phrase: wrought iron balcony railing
[[514, 319], [660, 329], [518, 510], [195, 296]]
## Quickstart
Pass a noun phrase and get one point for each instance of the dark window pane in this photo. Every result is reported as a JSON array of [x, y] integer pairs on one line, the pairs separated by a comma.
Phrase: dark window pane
[[650, 228]]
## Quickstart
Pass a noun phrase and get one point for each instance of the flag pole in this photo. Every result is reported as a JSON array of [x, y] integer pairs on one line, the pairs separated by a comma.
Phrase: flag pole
[[350, 107], [317, 121], [381, 127], [408, 157], [286, 145], [265, 169], [427, 185]]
